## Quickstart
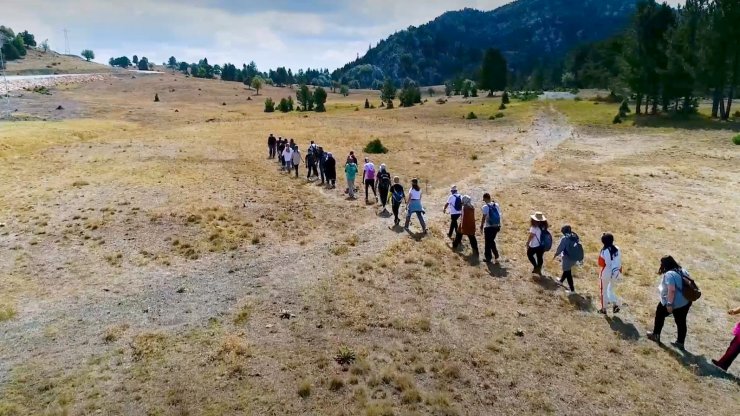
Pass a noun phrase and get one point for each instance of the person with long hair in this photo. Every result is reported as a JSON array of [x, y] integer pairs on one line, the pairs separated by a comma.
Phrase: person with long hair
[[672, 301], [535, 252], [610, 261], [467, 225], [567, 261], [414, 206], [330, 168], [734, 349], [384, 183]]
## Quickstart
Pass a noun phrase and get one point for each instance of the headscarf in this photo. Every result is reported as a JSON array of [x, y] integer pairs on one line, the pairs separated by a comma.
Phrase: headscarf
[[467, 201]]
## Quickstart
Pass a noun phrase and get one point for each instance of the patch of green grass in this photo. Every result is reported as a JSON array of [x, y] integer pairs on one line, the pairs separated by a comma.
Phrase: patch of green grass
[[304, 390], [243, 315], [736, 139], [7, 312]]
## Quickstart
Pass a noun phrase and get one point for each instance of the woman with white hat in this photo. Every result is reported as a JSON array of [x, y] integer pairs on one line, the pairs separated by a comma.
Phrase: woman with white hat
[[535, 252]]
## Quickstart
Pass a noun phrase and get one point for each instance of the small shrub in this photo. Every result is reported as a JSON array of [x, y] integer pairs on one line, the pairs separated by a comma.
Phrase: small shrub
[[505, 98], [617, 119], [502, 106], [336, 384], [389, 106], [737, 114], [345, 355], [269, 105], [156, 98], [367, 103], [283, 106], [499, 115], [474, 157], [7, 312], [471, 116], [491, 118], [624, 109], [304, 390], [736, 140], [578, 99], [375, 147]]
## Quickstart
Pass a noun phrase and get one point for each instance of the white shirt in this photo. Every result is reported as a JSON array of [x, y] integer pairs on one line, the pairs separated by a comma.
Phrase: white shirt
[[415, 194], [287, 154], [451, 202], [535, 242]]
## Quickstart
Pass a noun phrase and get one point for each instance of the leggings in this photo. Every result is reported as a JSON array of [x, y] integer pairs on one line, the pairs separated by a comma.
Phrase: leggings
[[568, 275], [535, 256], [396, 206], [732, 351], [679, 315], [370, 183], [383, 195]]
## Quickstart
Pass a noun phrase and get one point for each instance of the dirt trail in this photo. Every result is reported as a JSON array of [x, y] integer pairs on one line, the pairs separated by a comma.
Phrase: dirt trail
[[189, 293]]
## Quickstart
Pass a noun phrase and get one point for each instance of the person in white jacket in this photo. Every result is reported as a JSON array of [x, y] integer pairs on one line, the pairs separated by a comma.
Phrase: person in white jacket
[[610, 263], [288, 158]]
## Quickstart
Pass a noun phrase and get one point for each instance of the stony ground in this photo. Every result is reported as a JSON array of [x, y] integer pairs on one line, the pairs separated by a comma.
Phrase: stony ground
[[158, 263]]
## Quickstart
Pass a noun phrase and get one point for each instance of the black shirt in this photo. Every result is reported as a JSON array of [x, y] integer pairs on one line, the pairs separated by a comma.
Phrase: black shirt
[[384, 179]]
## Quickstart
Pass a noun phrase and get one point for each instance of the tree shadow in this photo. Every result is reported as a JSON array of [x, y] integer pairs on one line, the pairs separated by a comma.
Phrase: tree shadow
[[692, 122], [626, 330], [581, 303], [698, 364], [497, 270]]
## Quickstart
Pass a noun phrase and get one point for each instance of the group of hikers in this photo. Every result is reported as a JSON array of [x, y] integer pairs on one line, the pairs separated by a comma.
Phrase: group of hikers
[[676, 290]]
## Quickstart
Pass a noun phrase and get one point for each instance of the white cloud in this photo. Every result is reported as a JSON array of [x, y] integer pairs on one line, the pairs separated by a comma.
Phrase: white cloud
[[317, 34]]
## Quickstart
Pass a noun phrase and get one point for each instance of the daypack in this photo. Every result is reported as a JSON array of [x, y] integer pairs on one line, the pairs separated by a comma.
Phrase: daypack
[[397, 196], [370, 172], [545, 240], [574, 249], [384, 180], [689, 289], [493, 219], [458, 202]]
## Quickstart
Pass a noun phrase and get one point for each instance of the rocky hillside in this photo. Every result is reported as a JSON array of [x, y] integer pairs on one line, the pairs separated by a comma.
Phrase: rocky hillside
[[529, 32]]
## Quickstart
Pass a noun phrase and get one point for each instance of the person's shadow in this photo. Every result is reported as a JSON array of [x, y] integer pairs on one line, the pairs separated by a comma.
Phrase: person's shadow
[[385, 214], [584, 304], [497, 270], [416, 236], [626, 330], [397, 228], [546, 282], [698, 364]]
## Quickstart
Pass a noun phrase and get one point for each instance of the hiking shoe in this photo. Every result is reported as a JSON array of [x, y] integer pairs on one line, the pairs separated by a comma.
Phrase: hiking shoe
[[616, 309], [602, 311], [677, 345], [653, 337]]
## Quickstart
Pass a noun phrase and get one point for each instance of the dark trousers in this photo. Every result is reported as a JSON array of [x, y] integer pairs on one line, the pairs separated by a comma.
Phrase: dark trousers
[[473, 242], [732, 351], [321, 173], [679, 315], [272, 151], [453, 224], [370, 183], [535, 257], [396, 206], [568, 275], [312, 168], [296, 170], [489, 234], [383, 195]]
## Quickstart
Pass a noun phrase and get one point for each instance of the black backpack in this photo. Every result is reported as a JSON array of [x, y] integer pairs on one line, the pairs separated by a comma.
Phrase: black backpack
[[689, 289], [458, 202]]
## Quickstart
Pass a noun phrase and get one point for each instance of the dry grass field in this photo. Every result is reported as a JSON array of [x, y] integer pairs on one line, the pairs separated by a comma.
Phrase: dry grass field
[[155, 262], [37, 62]]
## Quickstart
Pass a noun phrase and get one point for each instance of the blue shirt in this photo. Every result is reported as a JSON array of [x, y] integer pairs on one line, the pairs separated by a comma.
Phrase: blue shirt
[[672, 278]]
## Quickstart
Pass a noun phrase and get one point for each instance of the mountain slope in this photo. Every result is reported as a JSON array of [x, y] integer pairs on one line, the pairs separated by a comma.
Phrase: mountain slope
[[527, 31]]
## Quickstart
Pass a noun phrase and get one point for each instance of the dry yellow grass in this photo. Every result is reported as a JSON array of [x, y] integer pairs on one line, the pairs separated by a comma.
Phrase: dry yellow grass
[[151, 253], [37, 62]]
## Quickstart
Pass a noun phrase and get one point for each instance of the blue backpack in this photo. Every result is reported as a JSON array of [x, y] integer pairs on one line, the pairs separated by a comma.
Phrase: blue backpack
[[397, 196], [493, 219], [545, 240], [458, 202]]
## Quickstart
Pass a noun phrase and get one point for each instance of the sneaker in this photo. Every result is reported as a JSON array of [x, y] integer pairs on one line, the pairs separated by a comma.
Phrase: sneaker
[[602, 311], [616, 309], [678, 346], [653, 337]]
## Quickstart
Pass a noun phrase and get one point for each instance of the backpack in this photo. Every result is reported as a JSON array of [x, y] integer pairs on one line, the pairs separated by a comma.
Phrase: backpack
[[689, 289], [545, 240], [385, 180], [574, 250], [493, 219], [458, 203], [370, 172], [397, 196]]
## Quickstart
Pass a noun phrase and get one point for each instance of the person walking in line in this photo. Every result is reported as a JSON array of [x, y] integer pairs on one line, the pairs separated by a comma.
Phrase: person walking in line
[[397, 196], [467, 225], [384, 185], [454, 203], [321, 161], [368, 178], [490, 226], [288, 157], [351, 157], [415, 206], [296, 159], [271, 146], [570, 252], [330, 168], [535, 249], [610, 261], [734, 349], [350, 171], [672, 301], [311, 163], [280, 150]]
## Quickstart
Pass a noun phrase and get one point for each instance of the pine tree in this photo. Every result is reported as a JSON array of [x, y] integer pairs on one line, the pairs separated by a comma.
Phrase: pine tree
[[494, 72], [388, 92]]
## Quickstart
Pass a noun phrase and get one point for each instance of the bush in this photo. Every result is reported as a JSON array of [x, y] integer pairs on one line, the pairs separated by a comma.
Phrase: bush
[[617, 120], [471, 116], [156, 98], [736, 140], [624, 109], [375, 147], [578, 99], [499, 115], [737, 114], [345, 356], [505, 98], [367, 103], [502, 106], [283, 106], [269, 105], [389, 106]]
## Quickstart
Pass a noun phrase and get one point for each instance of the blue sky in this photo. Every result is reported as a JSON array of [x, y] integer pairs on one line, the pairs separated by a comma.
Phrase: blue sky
[[294, 33]]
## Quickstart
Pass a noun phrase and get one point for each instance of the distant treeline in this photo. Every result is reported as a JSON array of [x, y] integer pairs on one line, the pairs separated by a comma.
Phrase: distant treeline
[[14, 45]]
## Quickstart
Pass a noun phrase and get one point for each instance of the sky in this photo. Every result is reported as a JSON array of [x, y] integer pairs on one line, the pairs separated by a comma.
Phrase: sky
[[292, 33]]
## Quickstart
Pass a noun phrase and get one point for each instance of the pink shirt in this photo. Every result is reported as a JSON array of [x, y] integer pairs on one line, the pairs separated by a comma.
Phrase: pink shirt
[[736, 331]]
